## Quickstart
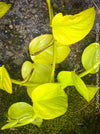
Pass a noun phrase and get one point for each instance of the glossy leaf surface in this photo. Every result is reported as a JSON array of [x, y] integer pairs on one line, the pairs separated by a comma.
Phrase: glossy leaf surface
[[10, 124], [19, 114], [49, 101], [39, 43], [80, 86], [4, 8], [24, 122], [47, 55], [30, 90], [90, 56], [65, 78], [20, 110], [26, 69], [92, 91], [5, 81], [40, 74], [70, 29], [37, 121], [15, 123]]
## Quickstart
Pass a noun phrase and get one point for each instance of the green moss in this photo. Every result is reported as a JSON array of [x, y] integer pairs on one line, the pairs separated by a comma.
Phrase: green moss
[[75, 121]]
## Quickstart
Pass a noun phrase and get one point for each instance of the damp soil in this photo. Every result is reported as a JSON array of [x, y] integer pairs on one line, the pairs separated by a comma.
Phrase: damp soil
[[26, 20]]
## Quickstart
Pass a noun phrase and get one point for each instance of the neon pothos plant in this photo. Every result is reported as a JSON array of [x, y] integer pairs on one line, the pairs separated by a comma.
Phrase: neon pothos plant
[[48, 97]]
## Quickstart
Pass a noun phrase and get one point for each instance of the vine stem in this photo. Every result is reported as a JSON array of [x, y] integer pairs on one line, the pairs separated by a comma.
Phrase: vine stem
[[54, 45], [50, 11], [54, 63], [24, 84], [91, 69]]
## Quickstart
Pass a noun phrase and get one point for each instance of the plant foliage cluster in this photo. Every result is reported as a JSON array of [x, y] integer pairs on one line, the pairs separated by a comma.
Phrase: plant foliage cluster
[[48, 97]]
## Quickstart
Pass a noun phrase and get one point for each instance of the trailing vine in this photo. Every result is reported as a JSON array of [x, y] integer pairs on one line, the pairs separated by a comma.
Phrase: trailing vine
[[48, 97]]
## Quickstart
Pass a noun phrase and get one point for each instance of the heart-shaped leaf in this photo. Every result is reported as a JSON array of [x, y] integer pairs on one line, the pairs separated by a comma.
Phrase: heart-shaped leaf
[[39, 43], [66, 78], [5, 81], [47, 55], [90, 56], [70, 29], [4, 8], [20, 110], [19, 114], [49, 101]]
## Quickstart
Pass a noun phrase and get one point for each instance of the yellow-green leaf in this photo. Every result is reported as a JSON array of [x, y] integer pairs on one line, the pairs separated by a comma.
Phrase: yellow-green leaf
[[80, 86], [65, 79], [69, 78], [70, 29], [39, 43], [47, 55], [41, 72], [38, 121], [5, 81], [20, 114], [90, 56], [49, 101], [26, 69], [30, 90], [20, 110], [10, 124], [92, 91], [4, 8]]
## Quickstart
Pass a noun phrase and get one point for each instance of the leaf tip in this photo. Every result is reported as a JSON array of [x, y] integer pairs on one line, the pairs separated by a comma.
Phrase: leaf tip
[[2, 128]]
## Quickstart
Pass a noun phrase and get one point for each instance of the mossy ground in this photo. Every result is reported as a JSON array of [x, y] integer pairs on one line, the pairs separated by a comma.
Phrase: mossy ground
[[80, 117]]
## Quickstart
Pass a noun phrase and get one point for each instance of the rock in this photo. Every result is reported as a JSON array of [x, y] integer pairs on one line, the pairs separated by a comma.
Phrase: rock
[[9, 53]]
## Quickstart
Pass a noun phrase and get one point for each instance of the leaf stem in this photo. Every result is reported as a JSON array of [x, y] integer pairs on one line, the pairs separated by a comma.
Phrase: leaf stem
[[54, 63], [24, 84], [91, 69]]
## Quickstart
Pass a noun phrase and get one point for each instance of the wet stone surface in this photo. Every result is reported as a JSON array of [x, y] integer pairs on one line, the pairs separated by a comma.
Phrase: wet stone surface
[[27, 19], [24, 21]]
